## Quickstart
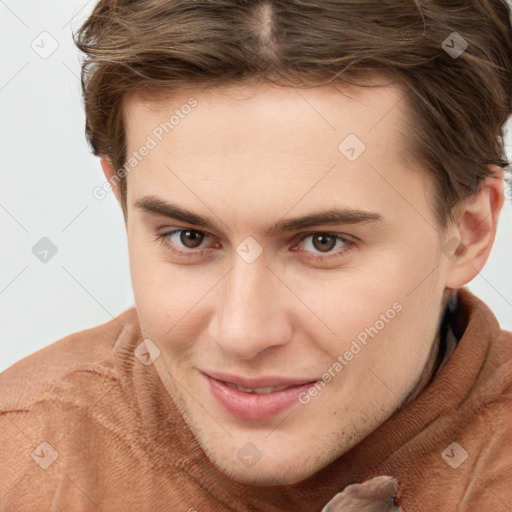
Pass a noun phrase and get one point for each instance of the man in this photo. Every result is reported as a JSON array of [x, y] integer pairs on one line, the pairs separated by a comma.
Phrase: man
[[307, 188]]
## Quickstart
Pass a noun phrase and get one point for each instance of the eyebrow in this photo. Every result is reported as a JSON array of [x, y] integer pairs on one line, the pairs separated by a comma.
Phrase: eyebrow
[[155, 206]]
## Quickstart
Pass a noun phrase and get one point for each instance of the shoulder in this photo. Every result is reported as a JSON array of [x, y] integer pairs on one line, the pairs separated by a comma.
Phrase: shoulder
[[61, 393], [477, 449], [491, 458], [483, 436], [463, 458], [31, 378]]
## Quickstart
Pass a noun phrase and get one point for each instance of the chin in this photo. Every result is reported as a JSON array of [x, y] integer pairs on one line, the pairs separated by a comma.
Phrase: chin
[[264, 475], [264, 471]]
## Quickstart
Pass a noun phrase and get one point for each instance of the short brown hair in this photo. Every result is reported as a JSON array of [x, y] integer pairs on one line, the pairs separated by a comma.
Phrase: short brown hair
[[460, 103]]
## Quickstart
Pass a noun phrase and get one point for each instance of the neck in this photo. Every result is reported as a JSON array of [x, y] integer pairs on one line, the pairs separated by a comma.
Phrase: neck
[[427, 374], [434, 358]]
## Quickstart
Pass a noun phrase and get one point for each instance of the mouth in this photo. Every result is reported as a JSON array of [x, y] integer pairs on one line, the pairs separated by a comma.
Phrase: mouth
[[255, 399], [258, 391]]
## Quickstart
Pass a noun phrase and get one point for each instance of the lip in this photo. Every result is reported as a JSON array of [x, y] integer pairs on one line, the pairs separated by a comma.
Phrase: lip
[[261, 382], [253, 406]]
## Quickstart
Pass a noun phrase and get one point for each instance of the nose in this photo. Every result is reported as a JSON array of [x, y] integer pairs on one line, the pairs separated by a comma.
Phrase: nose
[[250, 315]]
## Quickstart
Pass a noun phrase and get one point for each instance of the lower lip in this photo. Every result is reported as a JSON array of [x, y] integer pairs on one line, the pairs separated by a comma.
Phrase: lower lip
[[252, 406]]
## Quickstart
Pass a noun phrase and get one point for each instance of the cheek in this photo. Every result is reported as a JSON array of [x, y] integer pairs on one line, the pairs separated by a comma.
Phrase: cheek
[[381, 308], [349, 299], [171, 302], [159, 300]]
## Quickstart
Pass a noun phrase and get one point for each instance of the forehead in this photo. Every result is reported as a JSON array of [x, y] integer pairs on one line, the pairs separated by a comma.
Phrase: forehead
[[307, 118], [344, 144]]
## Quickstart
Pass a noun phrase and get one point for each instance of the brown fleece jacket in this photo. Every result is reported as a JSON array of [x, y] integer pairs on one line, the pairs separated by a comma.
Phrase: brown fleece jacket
[[84, 425]]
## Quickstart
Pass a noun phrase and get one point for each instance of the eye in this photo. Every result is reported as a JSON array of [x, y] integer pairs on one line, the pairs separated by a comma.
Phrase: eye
[[324, 243], [317, 245], [183, 241], [188, 237]]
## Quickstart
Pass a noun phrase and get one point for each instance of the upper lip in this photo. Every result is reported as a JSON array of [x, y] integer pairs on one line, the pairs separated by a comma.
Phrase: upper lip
[[260, 382]]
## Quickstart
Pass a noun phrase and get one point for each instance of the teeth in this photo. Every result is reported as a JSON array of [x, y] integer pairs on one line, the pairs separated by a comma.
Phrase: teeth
[[257, 391], [264, 391]]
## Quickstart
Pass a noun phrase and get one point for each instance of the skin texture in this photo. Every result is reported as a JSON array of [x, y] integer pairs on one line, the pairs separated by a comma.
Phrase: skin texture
[[247, 157]]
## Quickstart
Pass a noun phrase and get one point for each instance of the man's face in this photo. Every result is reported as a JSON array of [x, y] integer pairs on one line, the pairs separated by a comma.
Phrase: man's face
[[341, 313]]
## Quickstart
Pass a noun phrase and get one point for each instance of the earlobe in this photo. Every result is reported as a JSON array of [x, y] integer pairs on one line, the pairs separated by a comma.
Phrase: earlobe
[[469, 246], [110, 176]]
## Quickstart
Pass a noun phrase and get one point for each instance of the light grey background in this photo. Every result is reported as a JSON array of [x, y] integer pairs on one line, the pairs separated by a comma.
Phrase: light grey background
[[48, 176]]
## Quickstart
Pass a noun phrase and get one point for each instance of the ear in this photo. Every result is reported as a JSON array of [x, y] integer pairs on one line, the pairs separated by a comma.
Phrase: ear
[[470, 241], [110, 175]]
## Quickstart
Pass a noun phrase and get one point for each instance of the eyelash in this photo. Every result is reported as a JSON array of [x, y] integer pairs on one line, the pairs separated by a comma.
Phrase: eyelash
[[163, 238]]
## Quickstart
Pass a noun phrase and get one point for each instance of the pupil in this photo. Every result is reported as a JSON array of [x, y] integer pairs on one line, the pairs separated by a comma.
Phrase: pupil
[[331, 242], [190, 238]]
